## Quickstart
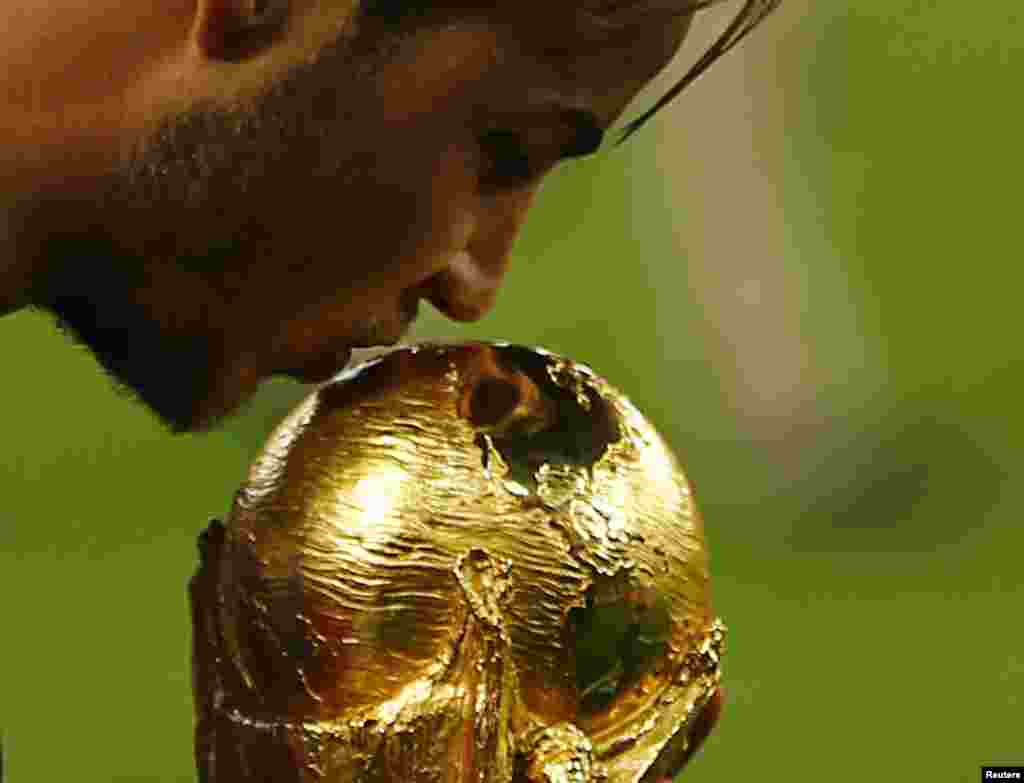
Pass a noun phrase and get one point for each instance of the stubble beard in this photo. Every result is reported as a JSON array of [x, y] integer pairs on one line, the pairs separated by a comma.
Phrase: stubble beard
[[94, 280], [206, 169]]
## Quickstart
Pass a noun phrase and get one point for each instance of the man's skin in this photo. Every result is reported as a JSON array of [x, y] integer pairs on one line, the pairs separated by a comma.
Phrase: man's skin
[[211, 192]]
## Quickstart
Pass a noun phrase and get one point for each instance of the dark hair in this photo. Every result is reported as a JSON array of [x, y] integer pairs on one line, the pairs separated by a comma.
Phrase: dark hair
[[751, 15]]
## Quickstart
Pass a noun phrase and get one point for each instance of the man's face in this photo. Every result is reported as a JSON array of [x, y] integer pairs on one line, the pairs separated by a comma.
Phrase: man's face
[[225, 245]]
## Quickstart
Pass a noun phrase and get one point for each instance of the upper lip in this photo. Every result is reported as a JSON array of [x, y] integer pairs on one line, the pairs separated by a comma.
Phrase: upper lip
[[409, 305]]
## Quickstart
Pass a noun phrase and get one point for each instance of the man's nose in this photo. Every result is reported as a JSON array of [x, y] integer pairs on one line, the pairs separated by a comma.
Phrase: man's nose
[[467, 288]]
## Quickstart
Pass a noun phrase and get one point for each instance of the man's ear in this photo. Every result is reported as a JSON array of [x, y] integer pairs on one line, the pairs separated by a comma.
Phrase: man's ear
[[234, 30]]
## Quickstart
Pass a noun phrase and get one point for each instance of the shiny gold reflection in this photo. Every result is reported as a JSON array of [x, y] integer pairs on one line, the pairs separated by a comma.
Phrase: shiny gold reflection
[[456, 562]]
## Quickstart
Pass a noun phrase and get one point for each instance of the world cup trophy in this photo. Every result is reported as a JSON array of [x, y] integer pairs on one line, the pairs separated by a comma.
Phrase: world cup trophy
[[457, 562]]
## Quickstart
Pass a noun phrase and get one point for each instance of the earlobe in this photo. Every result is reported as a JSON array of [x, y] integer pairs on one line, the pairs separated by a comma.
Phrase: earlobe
[[235, 30]]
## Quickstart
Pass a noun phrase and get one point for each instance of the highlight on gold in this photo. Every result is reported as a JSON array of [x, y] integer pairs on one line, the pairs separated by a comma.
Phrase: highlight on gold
[[457, 562]]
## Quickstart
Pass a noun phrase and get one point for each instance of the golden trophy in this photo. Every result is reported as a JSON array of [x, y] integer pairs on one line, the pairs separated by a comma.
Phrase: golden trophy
[[456, 562]]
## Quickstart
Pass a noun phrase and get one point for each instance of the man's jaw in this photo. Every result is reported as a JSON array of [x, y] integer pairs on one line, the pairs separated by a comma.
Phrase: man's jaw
[[189, 384], [169, 376]]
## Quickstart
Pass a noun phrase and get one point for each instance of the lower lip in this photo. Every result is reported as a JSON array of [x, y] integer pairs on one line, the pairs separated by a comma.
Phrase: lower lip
[[411, 308], [321, 368]]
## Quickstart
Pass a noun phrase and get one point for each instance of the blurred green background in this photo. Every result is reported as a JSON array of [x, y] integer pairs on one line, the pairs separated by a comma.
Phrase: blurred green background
[[803, 273]]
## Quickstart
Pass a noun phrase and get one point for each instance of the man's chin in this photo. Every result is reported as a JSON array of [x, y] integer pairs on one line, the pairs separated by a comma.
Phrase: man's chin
[[229, 392], [174, 385], [182, 413], [201, 420], [178, 376]]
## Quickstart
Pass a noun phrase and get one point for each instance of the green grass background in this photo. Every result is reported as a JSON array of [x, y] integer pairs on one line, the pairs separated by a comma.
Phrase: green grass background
[[874, 595]]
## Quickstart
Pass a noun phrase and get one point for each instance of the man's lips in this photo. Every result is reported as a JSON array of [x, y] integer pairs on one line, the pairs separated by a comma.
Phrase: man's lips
[[329, 363], [321, 368], [462, 291]]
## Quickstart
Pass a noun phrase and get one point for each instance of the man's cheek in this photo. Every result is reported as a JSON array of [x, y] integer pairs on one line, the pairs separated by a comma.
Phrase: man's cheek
[[437, 67], [455, 194], [419, 215]]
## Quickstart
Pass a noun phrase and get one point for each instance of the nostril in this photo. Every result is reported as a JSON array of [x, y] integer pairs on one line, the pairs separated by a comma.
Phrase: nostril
[[455, 309], [436, 290]]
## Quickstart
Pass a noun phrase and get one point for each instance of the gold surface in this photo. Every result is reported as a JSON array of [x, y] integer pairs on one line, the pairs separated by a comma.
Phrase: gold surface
[[456, 562]]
